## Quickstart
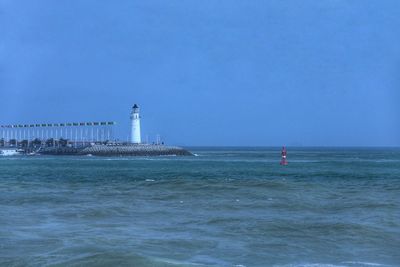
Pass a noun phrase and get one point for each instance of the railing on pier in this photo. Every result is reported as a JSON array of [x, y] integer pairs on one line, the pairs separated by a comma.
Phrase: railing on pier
[[56, 134]]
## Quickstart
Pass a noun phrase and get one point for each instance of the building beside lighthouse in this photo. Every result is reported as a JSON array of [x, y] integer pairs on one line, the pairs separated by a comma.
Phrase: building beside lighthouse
[[135, 125]]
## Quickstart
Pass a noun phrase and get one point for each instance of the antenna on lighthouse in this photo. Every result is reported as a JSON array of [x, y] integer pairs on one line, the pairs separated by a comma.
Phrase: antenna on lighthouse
[[135, 122]]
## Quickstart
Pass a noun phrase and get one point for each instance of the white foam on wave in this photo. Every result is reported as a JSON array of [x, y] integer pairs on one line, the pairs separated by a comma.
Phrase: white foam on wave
[[175, 262], [362, 263]]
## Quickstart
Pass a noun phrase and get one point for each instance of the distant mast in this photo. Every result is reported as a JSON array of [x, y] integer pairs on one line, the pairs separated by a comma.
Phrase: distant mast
[[283, 160], [135, 120]]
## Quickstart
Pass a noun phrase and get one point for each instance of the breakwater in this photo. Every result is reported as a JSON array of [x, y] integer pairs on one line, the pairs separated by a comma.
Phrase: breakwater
[[118, 150]]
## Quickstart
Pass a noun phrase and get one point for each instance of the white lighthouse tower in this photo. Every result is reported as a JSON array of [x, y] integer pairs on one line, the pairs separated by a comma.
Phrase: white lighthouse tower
[[135, 120]]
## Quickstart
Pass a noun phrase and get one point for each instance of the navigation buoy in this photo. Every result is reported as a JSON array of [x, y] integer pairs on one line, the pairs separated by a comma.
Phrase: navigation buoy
[[283, 160]]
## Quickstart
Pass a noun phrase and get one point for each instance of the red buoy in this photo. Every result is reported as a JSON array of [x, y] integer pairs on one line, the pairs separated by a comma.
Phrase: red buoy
[[283, 160]]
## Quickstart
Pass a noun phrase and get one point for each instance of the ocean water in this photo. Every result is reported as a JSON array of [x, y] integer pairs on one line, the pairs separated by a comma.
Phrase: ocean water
[[225, 207]]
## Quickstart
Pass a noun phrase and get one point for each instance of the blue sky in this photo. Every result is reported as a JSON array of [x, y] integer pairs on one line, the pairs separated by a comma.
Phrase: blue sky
[[210, 72]]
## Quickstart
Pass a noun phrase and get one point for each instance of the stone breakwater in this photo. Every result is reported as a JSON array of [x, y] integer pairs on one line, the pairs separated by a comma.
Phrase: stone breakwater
[[118, 150]]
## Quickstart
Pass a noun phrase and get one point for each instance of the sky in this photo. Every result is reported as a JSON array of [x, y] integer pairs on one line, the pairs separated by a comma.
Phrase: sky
[[209, 72]]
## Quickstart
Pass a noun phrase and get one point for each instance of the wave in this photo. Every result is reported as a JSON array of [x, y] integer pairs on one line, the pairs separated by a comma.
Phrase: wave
[[311, 265], [342, 264], [104, 259], [362, 263]]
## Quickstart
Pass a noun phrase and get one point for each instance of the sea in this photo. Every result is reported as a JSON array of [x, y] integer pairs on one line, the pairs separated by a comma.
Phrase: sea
[[238, 207]]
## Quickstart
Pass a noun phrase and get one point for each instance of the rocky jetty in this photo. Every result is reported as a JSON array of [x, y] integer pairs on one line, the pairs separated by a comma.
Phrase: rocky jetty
[[118, 150]]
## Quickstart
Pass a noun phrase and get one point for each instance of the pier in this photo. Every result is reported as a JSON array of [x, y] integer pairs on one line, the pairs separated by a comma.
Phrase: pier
[[76, 134], [80, 138]]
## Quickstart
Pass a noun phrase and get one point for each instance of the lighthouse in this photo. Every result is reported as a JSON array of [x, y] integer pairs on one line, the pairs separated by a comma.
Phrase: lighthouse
[[135, 120]]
